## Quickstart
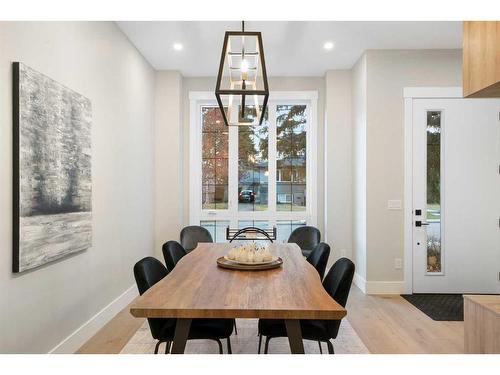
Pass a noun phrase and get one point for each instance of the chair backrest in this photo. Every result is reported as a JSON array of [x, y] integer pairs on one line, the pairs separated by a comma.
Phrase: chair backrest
[[306, 237], [319, 258], [337, 283], [147, 272], [192, 235], [172, 252]]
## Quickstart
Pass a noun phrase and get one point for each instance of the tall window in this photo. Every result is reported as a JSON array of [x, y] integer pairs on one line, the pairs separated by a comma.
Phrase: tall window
[[253, 171], [253, 175], [214, 160], [291, 157]]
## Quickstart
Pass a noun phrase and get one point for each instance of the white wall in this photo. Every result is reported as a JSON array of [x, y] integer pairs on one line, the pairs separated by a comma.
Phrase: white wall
[[375, 96], [190, 84], [168, 158], [388, 72], [38, 309], [359, 224], [338, 163]]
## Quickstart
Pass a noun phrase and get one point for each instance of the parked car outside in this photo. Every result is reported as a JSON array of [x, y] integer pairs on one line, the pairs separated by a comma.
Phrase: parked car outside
[[246, 196]]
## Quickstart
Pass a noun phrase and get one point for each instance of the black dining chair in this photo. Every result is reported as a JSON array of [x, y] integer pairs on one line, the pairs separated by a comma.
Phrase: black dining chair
[[306, 237], [337, 283], [192, 235], [319, 258], [148, 271], [172, 253]]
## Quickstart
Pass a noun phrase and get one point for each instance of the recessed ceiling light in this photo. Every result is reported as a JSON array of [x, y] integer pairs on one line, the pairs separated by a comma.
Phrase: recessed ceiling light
[[328, 46], [178, 46]]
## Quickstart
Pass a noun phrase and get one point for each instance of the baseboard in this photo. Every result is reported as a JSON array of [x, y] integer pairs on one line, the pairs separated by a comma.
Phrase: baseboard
[[378, 287], [385, 287], [74, 341], [360, 282]]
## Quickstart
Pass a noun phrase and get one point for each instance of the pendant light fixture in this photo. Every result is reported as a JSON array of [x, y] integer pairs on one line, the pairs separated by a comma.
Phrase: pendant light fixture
[[242, 90]]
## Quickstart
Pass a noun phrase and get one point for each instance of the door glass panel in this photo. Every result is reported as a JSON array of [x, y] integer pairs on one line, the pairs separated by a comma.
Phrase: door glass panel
[[215, 139], [217, 229], [291, 157], [433, 214], [285, 227], [261, 224], [253, 168]]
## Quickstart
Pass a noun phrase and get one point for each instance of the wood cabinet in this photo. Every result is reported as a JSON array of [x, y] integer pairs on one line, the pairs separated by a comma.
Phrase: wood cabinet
[[482, 324], [481, 59]]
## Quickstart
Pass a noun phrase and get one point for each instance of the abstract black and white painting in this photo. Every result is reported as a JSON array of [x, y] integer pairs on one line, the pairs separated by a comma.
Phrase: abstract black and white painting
[[52, 170]]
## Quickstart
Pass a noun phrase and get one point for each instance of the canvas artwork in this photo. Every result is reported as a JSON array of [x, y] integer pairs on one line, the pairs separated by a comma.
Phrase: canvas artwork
[[52, 170]]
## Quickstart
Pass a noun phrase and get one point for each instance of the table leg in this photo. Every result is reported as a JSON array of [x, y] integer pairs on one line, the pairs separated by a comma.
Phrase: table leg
[[294, 336], [181, 335]]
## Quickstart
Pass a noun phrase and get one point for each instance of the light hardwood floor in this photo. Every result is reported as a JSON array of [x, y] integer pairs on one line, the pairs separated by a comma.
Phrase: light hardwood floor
[[386, 324], [113, 336], [390, 324]]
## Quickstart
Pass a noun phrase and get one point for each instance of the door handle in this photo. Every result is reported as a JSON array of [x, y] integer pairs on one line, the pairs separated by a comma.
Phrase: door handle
[[419, 223]]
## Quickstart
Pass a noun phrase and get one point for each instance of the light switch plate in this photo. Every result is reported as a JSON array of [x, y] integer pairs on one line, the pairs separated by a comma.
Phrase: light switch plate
[[394, 204], [398, 263]]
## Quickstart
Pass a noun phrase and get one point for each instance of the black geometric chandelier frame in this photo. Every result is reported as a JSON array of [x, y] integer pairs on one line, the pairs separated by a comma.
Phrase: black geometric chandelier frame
[[242, 78]]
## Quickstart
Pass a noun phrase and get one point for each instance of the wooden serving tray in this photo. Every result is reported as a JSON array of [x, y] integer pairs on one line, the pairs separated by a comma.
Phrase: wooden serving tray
[[225, 263], [274, 259]]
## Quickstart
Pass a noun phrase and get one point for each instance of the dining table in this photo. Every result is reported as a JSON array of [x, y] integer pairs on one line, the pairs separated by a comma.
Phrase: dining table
[[198, 288]]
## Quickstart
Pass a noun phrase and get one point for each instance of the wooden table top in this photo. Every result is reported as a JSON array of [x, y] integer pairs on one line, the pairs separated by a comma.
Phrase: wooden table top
[[198, 288]]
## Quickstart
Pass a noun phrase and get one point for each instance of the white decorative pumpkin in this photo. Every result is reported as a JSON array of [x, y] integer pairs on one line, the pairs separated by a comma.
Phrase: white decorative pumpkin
[[267, 256]]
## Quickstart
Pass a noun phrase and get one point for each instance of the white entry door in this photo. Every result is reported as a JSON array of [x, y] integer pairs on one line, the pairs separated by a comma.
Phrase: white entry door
[[456, 196]]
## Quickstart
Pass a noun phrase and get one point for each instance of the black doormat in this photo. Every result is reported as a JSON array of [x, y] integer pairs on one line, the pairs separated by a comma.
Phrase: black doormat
[[438, 306]]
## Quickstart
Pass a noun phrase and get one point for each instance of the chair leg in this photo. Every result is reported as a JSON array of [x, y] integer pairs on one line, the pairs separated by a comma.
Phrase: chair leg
[[157, 346], [167, 347], [229, 350], [266, 346], [220, 346], [260, 343], [330, 347], [320, 348], [235, 329]]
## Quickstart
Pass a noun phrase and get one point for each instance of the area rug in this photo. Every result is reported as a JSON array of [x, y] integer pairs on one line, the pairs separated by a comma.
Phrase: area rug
[[440, 307], [247, 342]]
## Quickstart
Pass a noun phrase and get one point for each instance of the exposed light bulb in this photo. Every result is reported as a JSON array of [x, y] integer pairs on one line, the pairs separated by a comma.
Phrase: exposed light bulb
[[244, 70], [178, 46], [244, 66]]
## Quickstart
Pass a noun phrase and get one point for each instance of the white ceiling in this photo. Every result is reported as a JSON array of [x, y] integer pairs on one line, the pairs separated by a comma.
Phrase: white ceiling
[[291, 48]]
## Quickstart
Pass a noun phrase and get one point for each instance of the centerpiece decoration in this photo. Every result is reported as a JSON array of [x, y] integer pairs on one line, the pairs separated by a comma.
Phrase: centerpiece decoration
[[250, 257], [251, 253]]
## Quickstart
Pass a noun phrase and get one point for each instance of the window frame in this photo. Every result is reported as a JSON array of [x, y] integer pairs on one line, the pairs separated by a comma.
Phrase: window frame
[[199, 99]]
